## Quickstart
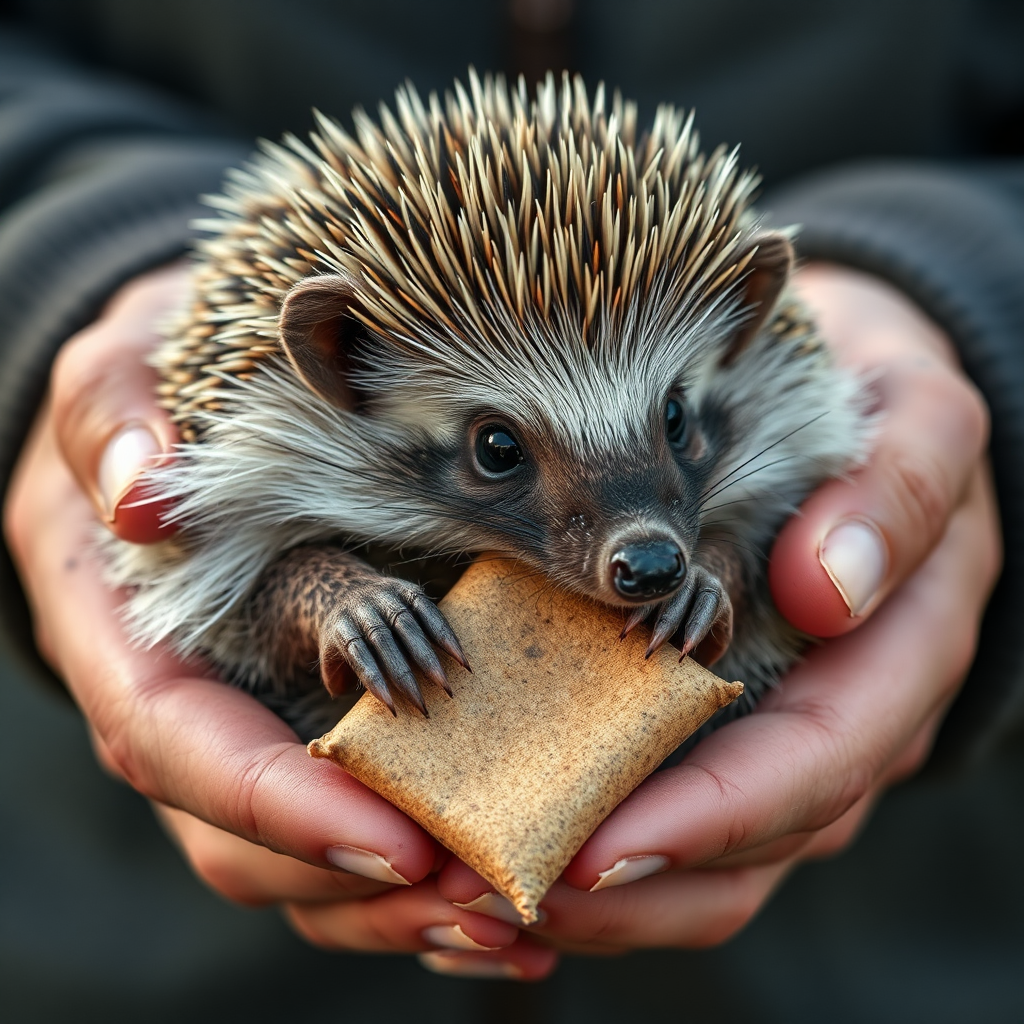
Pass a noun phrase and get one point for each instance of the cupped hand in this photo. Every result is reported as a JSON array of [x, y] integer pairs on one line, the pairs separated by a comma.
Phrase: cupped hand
[[259, 820], [896, 564]]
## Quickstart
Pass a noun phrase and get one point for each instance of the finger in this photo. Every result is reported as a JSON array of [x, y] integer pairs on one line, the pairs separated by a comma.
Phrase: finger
[[183, 740], [109, 426], [856, 540], [524, 960], [686, 909], [402, 921], [837, 836], [818, 745], [253, 875]]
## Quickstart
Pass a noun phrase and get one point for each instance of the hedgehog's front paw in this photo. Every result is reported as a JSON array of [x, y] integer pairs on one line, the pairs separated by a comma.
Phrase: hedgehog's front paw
[[698, 615], [380, 630]]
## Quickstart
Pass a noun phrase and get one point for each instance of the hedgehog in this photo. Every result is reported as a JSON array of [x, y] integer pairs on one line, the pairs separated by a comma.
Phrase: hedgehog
[[483, 322]]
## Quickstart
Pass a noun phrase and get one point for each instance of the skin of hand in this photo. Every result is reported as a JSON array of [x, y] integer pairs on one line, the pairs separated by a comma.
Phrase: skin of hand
[[913, 535]]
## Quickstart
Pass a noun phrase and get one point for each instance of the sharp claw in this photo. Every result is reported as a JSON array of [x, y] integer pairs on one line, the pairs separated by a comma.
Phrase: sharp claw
[[662, 631], [635, 618], [436, 674], [409, 630], [450, 644], [702, 618], [380, 690], [406, 682], [656, 641], [438, 629]]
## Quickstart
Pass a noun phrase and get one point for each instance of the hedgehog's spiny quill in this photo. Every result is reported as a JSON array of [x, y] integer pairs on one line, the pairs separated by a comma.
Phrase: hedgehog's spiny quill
[[484, 212]]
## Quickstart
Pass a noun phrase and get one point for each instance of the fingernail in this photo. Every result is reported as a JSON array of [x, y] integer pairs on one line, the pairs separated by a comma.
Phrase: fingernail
[[855, 558], [128, 452], [493, 905], [362, 862], [451, 936], [464, 967], [629, 869]]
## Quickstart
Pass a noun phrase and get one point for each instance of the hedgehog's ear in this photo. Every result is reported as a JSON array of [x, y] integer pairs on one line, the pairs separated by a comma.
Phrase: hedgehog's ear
[[319, 335], [765, 277]]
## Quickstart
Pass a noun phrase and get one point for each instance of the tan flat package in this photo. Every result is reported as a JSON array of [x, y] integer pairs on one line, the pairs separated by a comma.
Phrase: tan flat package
[[558, 722]]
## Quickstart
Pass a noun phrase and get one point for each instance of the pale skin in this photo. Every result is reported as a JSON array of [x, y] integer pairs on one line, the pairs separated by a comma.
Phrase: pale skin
[[256, 817]]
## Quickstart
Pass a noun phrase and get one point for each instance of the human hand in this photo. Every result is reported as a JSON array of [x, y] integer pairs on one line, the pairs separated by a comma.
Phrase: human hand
[[259, 820], [712, 838]]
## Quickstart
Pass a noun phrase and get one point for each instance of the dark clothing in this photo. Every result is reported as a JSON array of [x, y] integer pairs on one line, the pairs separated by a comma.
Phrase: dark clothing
[[892, 131]]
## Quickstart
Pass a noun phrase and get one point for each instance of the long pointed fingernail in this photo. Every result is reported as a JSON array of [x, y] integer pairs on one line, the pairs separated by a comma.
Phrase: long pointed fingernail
[[451, 936], [855, 557], [629, 869], [493, 905], [365, 863], [468, 967], [130, 451]]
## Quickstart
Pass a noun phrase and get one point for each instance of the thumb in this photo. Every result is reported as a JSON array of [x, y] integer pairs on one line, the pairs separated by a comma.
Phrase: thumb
[[856, 540], [109, 427]]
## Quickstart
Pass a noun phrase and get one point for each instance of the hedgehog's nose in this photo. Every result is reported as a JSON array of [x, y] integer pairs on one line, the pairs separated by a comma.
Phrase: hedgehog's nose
[[647, 572]]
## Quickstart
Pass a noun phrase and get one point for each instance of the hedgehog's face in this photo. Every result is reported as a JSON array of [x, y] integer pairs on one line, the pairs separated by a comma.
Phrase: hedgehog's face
[[616, 521]]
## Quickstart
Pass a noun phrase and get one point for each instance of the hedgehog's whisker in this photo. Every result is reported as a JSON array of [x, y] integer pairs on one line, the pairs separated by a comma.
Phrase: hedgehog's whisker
[[717, 487], [735, 501], [752, 472]]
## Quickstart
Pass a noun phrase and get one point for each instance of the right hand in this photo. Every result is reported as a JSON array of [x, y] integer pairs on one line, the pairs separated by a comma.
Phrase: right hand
[[259, 820]]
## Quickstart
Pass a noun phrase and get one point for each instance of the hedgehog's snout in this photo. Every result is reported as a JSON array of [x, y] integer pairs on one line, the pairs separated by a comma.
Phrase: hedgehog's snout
[[647, 570]]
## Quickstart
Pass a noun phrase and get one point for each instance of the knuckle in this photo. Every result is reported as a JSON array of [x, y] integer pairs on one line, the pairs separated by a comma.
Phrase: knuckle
[[847, 766], [397, 613], [123, 721], [378, 633], [730, 795], [922, 496], [124, 758], [967, 411], [252, 784]]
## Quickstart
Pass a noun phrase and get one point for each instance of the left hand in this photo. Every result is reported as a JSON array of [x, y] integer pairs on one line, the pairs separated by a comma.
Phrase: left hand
[[712, 838]]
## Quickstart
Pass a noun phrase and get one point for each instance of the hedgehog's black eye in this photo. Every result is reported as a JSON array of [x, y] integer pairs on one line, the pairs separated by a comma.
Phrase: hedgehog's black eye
[[675, 421], [497, 450]]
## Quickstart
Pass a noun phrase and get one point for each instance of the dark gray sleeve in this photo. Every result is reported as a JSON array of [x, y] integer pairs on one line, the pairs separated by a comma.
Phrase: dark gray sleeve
[[953, 240], [99, 179]]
